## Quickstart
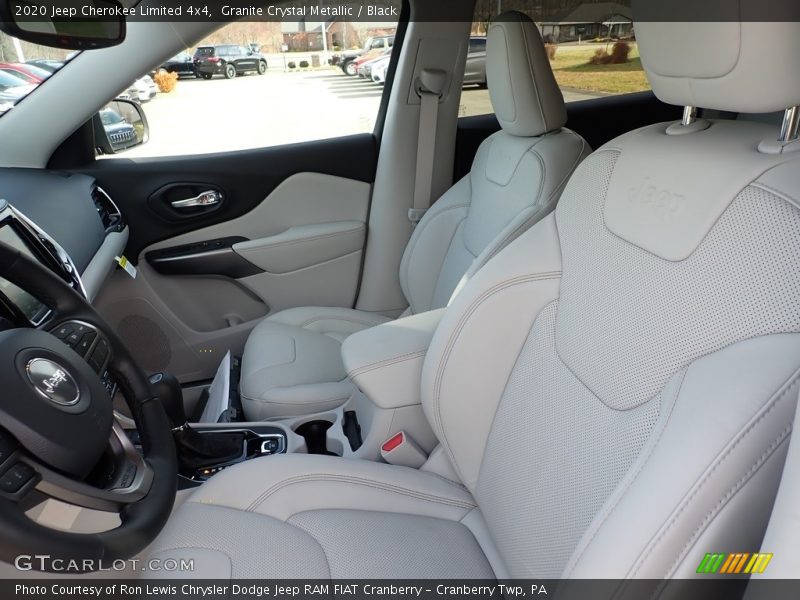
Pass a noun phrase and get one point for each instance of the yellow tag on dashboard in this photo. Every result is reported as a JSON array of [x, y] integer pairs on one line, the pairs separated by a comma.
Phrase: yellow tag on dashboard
[[126, 265]]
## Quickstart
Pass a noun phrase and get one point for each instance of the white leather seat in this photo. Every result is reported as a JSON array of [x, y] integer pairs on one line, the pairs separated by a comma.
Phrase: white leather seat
[[292, 363], [618, 382]]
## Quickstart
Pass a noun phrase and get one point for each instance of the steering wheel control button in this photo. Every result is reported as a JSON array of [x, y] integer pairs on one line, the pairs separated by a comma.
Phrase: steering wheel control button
[[72, 339], [16, 477], [53, 382], [63, 330], [86, 343], [99, 355]]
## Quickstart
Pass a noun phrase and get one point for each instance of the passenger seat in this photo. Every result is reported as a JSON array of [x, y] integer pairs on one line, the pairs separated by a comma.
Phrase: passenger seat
[[292, 361]]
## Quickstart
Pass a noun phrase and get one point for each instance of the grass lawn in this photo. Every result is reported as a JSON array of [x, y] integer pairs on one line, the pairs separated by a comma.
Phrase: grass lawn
[[572, 70]]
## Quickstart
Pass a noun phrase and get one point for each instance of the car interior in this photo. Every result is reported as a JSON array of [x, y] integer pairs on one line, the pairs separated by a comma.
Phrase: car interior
[[558, 341]]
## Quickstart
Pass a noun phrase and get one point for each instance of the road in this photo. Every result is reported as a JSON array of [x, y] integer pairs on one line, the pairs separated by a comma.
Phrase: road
[[254, 111]]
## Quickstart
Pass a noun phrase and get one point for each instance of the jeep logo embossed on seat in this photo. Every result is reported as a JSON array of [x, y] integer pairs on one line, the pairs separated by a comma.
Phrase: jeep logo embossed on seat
[[53, 382]]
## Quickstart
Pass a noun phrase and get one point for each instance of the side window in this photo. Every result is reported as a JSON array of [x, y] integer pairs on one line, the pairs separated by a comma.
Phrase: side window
[[301, 84], [477, 45], [591, 46]]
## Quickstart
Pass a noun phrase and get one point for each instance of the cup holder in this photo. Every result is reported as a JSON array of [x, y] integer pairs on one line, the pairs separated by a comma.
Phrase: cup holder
[[315, 433]]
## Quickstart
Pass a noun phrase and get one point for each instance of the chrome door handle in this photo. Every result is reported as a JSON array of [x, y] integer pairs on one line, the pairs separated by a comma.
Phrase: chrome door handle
[[207, 198]]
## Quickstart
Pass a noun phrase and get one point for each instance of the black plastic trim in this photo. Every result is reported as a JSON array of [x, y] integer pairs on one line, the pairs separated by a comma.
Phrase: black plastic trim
[[212, 257]]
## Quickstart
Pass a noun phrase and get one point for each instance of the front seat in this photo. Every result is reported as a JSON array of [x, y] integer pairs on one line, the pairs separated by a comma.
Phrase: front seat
[[615, 389], [292, 362]]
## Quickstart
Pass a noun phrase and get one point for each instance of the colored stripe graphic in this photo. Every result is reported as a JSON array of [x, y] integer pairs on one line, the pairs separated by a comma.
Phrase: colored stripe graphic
[[734, 563]]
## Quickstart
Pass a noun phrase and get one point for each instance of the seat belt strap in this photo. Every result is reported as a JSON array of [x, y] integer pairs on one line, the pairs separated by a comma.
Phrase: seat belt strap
[[430, 90]]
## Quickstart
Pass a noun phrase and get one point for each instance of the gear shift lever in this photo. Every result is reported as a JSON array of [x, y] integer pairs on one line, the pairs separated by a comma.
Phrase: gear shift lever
[[167, 389], [195, 450]]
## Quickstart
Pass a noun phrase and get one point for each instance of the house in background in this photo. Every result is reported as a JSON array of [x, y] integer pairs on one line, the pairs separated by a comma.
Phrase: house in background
[[306, 36], [590, 20]]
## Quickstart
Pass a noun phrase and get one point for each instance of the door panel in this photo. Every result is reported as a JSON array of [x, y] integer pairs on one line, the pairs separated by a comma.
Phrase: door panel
[[306, 239], [245, 178], [206, 279]]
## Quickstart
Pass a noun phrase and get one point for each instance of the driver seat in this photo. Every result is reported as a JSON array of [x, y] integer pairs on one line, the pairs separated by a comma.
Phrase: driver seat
[[619, 381]]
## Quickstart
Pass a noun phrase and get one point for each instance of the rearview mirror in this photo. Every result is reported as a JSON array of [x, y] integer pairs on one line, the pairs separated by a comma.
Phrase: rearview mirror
[[70, 24], [120, 124]]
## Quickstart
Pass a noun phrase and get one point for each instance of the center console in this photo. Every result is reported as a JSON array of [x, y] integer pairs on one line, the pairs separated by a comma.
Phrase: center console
[[237, 444], [384, 364], [205, 449]]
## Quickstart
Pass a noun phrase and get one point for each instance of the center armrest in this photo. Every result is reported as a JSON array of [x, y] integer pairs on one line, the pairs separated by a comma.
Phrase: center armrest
[[385, 361]]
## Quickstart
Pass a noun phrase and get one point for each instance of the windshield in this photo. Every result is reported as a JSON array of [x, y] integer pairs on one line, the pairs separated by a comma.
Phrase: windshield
[[23, 67]]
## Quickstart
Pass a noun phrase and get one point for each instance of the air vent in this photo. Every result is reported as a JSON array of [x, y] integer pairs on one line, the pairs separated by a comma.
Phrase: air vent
[[108, 212]]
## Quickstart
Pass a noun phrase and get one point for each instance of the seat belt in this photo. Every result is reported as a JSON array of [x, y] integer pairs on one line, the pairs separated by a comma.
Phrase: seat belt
[[430, 88]]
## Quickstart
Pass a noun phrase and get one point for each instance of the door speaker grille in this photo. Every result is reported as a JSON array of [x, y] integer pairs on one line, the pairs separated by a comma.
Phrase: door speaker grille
[[146, 341]]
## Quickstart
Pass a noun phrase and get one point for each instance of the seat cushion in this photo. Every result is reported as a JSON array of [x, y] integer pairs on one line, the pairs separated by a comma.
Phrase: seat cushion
[[292, 363], [302, 516]]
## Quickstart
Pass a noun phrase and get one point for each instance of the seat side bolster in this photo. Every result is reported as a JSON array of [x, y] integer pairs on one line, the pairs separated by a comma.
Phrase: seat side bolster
[[487, 324], [427, 249], [719, 475]]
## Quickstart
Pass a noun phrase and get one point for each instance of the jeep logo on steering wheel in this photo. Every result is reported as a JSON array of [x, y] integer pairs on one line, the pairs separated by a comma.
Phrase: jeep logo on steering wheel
[[53, 382]]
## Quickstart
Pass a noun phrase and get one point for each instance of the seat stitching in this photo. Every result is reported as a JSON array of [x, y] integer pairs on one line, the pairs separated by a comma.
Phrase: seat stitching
[[388, 362], [458, 228], [304, 402], [768, 408], [331, 318], [324, 552], [421, 227], [356, 481], [776, 192], [627, 485], [230, 558], [456, 333], [768, 452]]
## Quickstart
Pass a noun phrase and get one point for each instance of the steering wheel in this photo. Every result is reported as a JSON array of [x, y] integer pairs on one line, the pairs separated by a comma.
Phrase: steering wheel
[[59, 437]]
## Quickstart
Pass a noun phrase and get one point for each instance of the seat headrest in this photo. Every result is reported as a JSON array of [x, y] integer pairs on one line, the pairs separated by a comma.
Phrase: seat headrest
[[733, 60], [523, 90]]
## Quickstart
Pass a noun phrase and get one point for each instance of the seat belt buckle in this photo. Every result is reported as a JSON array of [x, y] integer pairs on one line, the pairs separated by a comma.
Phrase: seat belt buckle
[[403, 451], [415, 215]]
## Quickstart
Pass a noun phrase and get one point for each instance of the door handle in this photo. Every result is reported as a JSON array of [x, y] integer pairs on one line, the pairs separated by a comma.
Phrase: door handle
[[207, 198]]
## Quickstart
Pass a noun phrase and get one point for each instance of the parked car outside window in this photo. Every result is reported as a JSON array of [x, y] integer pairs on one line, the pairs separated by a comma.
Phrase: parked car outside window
[[228, 60]]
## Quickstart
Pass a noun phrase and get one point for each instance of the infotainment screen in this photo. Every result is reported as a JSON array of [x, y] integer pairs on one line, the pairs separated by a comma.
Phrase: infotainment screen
[[32, 308]]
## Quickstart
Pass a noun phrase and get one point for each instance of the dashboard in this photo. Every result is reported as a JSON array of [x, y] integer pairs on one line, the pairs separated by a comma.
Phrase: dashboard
[[31, 308], [64, 220], [69, 224]]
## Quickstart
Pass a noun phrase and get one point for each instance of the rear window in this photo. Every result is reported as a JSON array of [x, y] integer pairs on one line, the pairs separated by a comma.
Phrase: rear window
[[204, 52]]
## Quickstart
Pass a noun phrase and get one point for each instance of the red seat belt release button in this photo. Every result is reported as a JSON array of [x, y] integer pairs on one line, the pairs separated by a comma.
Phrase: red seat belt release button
[[393, 442], [401, 450]]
